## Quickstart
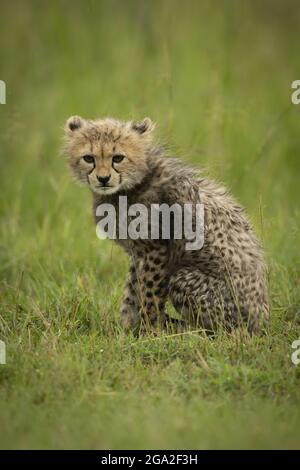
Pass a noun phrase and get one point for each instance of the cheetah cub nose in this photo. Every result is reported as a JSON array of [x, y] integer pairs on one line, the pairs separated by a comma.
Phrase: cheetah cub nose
[[103, 179]]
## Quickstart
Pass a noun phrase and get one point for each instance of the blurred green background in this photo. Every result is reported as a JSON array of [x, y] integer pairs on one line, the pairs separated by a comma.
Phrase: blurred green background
[[216, 77]]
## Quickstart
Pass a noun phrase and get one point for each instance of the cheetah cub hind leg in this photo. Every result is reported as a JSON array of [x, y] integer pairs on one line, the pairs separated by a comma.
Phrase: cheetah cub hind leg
[[204, 301]]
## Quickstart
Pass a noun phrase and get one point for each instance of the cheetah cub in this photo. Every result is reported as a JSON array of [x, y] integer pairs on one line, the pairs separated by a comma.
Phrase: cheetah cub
[[224, 282]]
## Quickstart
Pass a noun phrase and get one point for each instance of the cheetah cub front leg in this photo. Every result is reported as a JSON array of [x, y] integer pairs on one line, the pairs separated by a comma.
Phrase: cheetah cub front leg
[[130, 307], [145, 291]]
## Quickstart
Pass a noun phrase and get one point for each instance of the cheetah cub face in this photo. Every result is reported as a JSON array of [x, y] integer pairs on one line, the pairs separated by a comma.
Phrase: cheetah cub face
[[108, 155]]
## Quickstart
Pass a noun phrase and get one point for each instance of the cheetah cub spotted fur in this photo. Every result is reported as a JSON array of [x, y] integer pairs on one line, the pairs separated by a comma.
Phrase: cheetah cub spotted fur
[[224, 282]]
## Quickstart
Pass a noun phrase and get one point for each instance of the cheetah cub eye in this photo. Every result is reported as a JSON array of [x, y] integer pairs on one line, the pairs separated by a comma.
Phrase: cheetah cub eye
[[118, 158], [89, 159]]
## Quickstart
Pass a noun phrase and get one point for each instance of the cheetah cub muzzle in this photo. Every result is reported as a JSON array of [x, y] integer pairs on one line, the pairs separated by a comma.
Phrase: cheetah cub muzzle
[[224, 282]]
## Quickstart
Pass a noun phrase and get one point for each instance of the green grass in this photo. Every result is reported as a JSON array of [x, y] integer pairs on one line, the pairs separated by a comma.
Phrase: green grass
[[216, 77]]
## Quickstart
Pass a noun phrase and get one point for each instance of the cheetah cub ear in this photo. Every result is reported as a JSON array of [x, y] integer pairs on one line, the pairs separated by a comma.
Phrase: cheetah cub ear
[[144, 127], [73, 124]]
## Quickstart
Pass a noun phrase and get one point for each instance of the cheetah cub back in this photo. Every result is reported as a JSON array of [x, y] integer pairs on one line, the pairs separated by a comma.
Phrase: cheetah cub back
[[223, 282]]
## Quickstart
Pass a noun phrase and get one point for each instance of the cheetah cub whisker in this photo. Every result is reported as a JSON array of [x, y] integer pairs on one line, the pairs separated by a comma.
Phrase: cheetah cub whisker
[[224, 282]]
